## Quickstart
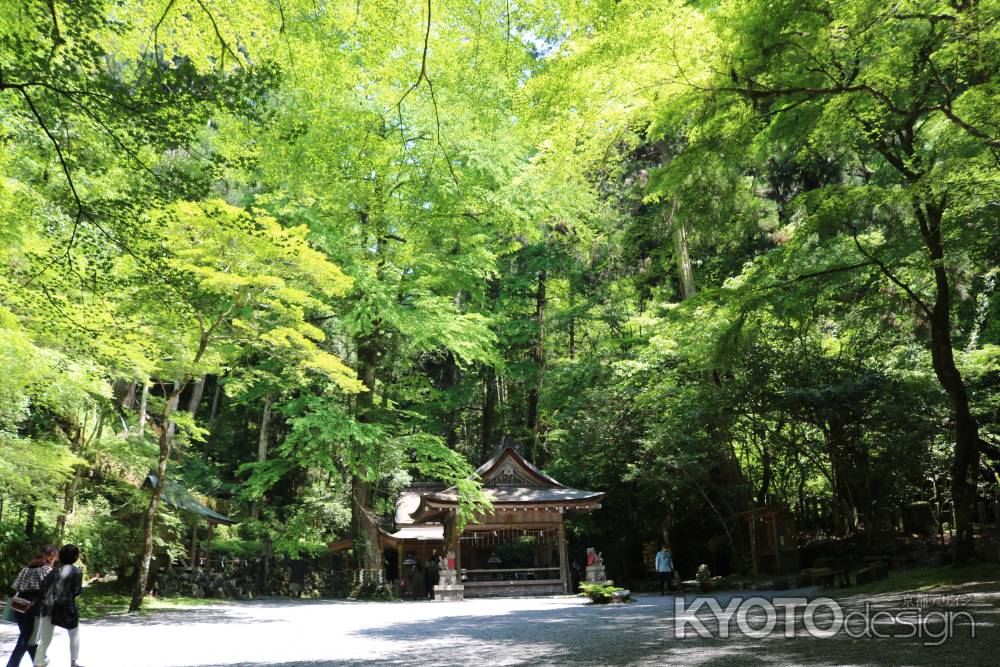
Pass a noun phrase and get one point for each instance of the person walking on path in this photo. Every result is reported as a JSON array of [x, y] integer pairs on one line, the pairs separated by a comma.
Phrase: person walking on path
[[28, 587], [59, 592], [665, 568]]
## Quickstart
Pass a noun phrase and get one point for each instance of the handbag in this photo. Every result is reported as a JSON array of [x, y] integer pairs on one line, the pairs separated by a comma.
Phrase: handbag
[[18, 603], [7, 616], [65, 615]]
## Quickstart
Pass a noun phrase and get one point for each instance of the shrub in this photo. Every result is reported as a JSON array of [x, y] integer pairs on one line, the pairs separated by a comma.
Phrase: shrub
[[601, 593]]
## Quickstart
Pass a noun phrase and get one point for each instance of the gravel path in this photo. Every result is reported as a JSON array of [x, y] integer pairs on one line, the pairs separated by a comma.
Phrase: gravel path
[[523, 631]]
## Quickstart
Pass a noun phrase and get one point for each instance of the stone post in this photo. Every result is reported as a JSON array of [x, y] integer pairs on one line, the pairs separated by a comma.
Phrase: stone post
[[595, 568], [449, 586]]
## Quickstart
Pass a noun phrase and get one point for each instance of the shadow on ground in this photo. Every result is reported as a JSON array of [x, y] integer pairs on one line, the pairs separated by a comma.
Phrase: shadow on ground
[[642, 633]]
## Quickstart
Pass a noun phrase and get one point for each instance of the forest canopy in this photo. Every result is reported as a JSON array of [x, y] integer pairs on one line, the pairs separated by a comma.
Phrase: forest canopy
[[294, 256]]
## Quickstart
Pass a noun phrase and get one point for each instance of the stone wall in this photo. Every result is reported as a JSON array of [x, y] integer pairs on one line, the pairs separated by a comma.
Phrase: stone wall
[[249, 578]]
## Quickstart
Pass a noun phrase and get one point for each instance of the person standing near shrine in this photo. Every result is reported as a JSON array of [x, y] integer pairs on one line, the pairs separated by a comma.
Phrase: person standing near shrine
[[419, 581], [665, 568], [431, 573]]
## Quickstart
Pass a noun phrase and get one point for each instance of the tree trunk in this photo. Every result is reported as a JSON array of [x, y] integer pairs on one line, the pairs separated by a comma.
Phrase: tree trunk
[[166, 443], [175, 399], [490, 388], [367, 539], [71, 488], [489, 410], [685, 272], [538, 358], [767, 473], [449, 380], [129, 397], [29, 522], [196, 394], [265, 419], [364, 524], [143, 406], [216, 400], [848, 465], [965, 462]]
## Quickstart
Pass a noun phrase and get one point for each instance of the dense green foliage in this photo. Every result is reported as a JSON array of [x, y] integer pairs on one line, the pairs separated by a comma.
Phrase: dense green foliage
[[292, 256]]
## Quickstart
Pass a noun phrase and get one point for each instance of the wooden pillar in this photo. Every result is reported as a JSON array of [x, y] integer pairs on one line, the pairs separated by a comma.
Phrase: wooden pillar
[[563, 557], [400, 557], [208, 547], [777, 547], [456, 536], [194, 544]]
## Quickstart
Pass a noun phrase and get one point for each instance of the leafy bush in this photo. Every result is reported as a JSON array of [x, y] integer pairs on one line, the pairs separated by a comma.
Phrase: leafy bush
[[16, 549], [236, 548], [105, 537], [600, 593]]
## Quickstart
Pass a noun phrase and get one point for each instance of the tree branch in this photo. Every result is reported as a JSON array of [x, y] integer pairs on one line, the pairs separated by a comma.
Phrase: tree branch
[[969, 128], [888, 274], [422, 76], [222, 42], [817, 274], [62, 162]]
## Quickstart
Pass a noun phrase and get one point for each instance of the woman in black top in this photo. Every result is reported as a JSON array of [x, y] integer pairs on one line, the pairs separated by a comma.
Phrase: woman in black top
[[59, 592], [28, 587]]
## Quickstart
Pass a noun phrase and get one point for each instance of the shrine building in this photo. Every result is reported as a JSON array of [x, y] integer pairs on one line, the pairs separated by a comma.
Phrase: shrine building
[[519, 548]]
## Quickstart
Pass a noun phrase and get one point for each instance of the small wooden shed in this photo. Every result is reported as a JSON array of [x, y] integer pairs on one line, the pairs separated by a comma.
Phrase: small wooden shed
[[773, 540]]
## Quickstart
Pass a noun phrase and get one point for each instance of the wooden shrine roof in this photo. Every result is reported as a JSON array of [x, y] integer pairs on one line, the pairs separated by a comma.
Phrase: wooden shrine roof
[[511, 481]]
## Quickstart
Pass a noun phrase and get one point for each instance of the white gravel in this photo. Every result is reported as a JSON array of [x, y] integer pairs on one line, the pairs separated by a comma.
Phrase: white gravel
[[521, 631]]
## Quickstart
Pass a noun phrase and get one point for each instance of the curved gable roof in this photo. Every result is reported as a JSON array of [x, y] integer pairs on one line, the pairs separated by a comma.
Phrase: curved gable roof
[[509, 479], [509, 458]]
